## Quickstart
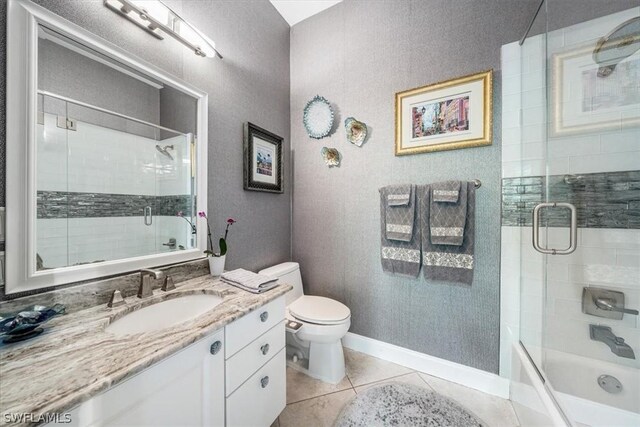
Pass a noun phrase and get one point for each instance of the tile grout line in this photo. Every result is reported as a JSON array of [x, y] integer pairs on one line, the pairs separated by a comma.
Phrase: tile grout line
[[320, 395], [425, 381], [386, 379]]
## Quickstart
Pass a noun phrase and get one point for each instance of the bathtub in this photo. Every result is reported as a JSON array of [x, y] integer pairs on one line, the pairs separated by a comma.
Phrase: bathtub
[[572, 387]]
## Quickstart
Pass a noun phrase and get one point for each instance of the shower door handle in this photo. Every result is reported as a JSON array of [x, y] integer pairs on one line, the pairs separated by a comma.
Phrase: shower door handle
[[148, 218], [573, 229]]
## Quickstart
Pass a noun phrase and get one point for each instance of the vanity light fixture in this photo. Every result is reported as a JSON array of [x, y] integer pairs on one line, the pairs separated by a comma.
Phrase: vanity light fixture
[[157, 19]]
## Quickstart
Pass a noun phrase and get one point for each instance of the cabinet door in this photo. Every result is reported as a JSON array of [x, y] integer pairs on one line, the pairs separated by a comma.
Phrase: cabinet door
[[186, 389]]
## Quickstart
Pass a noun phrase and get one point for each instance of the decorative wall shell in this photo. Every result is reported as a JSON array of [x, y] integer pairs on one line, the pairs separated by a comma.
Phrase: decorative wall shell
[[356, 131]]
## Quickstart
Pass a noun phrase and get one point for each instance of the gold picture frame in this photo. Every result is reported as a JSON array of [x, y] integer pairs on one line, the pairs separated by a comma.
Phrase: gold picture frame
[[422, 126]]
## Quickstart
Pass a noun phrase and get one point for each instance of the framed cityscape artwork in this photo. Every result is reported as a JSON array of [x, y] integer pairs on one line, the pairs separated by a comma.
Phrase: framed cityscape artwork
[[262, 160], [445, 116]]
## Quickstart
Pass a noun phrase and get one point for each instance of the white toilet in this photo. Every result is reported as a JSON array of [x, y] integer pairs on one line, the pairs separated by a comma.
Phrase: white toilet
[[316, 347]]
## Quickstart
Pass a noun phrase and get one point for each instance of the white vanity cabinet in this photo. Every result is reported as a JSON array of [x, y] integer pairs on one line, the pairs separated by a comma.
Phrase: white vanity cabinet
[[234, 377], [185, 389], [256, 386]]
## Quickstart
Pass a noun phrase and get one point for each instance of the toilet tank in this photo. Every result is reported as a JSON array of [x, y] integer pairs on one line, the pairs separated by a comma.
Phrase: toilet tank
[[287, 272]]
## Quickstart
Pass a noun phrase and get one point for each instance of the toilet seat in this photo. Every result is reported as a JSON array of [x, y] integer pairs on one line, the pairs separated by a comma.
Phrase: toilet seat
[[319, 310]]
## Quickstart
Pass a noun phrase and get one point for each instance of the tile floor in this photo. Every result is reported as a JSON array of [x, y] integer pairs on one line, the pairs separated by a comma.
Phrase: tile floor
[[312, 403]]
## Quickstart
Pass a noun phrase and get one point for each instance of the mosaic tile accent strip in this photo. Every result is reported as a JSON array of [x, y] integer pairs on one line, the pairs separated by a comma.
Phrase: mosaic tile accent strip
[[603, 200], [62, 204]]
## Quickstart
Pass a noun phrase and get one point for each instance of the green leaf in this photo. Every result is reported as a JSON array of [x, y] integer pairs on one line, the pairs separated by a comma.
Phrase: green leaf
[[223, 247]]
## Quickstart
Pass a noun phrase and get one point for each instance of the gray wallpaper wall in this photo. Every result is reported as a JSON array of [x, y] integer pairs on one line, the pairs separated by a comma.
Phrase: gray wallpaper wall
[[358, 55], [250, 84], [90, 81]]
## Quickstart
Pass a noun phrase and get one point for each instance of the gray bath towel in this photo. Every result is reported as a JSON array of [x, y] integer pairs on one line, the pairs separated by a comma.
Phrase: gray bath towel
[[400, 212], [447, 191], [399, 257], [447, 218], [445, 262]]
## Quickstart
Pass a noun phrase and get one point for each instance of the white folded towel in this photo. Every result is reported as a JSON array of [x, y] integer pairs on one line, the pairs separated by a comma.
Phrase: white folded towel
[[249, 281]]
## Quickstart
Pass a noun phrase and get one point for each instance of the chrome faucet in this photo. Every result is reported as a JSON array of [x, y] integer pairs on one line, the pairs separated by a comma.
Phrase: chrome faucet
[[616, 344], [145, 289]]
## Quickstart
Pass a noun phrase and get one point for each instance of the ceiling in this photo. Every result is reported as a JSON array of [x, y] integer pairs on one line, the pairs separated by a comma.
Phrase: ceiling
[[294, 11]]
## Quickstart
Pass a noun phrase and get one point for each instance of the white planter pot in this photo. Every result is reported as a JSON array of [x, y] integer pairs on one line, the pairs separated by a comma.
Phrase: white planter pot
[[216, 265]]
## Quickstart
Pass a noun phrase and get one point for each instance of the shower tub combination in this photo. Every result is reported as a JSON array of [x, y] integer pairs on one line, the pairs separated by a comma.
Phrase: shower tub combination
[[572, 391], [571, 182]]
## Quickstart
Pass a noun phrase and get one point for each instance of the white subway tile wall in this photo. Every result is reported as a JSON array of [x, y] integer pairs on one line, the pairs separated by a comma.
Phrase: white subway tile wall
[[605, 257], [94, 159]]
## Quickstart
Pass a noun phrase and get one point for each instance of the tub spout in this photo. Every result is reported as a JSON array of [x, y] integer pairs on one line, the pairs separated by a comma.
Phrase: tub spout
[[616, 344]]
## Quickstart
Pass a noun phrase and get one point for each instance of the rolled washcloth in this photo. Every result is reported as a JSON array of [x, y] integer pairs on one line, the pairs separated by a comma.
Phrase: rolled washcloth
[[448, 263], [400, 256], [249, 281], [399, 212], [448, 212]]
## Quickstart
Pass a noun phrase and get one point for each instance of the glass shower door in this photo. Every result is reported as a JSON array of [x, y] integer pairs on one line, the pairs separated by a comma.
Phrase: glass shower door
[[581, 124]]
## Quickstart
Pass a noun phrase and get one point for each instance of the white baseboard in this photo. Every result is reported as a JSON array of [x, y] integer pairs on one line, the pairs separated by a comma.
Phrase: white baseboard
[[450, 371]]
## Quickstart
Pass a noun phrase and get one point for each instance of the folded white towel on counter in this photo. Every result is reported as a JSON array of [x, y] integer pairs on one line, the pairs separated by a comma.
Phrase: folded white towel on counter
[[249, 281]]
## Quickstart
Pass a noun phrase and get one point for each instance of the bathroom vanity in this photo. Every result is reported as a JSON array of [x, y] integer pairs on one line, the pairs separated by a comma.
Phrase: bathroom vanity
[[224, 367]]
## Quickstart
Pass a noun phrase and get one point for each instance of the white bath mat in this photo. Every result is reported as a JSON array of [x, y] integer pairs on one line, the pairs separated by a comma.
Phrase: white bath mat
[[399, 405]]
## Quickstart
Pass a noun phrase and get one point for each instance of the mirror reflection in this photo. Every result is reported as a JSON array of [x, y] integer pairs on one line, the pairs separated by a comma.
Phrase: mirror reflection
[[115, 159]]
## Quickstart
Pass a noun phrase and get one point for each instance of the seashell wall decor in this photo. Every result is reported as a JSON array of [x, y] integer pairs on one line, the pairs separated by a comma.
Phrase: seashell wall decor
[[356, 131], [331, 156]]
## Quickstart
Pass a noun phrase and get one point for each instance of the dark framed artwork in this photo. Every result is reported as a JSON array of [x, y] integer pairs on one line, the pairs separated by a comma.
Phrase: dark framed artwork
[[262, 160]]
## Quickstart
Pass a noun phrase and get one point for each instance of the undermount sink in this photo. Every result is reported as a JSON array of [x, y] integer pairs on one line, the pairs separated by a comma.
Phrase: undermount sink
[[164, 314]]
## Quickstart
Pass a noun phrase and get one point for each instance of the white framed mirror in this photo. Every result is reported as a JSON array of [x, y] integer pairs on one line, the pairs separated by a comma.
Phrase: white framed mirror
[[106, 160]]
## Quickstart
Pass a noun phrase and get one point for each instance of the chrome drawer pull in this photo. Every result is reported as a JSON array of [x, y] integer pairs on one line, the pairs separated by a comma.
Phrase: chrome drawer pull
[[215, 347], [264, 316], [265, 349], [264, 382]]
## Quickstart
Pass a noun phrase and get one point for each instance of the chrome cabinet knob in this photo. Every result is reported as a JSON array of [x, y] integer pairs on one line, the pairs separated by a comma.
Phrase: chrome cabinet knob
[[215, 347], [265, 349], [264, 316], [264, 382]]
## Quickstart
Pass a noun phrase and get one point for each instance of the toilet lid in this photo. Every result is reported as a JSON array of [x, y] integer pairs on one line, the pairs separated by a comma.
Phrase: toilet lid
[[320, 310]]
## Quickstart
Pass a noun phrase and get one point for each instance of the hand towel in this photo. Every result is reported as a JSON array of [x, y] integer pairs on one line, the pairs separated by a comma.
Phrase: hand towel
[[446, 262], [400, 212], [447, 219], [252, 290], [249, 281], [398, 256], [447, 191]]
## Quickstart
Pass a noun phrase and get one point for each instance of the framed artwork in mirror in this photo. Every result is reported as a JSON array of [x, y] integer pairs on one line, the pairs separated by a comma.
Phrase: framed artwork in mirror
[[589, 97], [262, 160], [448, 115]]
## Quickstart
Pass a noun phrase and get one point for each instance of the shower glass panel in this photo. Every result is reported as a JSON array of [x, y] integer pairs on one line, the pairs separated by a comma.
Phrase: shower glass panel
[[109, 187], [580, 147]]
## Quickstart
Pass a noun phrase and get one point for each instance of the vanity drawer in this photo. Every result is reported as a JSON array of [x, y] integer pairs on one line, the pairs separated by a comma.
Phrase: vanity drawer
[[261, 398], [249, 327], [251, 358]]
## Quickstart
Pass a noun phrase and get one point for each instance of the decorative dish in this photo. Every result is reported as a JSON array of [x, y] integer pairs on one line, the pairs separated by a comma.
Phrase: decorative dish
[[27, 323], [318, 117]]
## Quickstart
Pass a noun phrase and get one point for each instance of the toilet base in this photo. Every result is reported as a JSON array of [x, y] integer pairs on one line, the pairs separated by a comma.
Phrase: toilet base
[[322, 361], [326, 361]]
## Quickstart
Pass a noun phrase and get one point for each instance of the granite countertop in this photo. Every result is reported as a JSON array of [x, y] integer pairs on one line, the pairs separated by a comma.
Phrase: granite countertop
[[75, 359]]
